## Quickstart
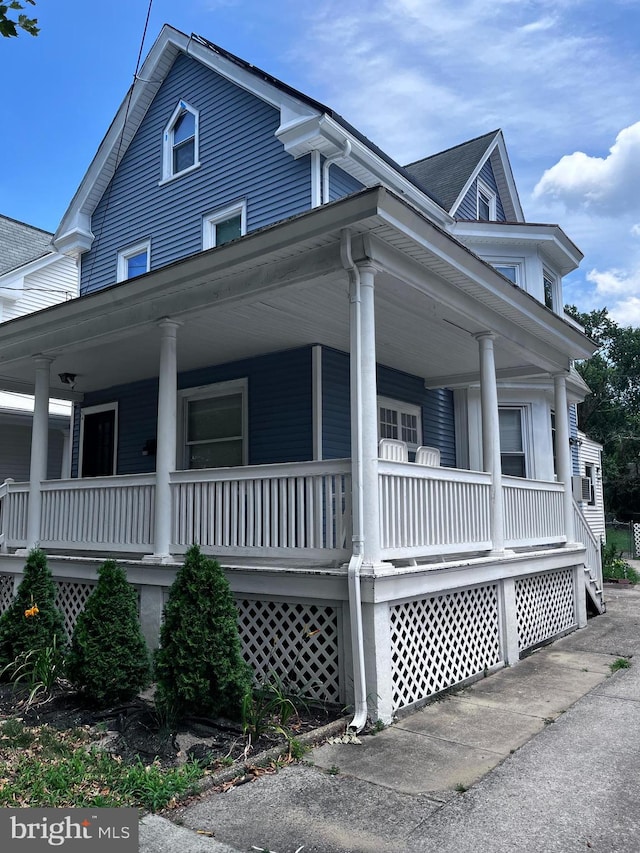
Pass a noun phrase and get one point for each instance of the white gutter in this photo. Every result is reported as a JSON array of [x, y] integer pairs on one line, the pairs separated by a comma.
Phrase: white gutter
[[341, 155], [357, 461]]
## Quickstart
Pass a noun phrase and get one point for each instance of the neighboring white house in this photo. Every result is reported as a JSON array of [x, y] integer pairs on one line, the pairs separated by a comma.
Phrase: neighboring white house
[[33, 275], [588, 489]]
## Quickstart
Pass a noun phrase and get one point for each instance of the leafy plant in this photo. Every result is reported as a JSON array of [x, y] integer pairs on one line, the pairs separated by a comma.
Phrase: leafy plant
[[38, 670], [108, 660], [620, 663], [32, 621], [199, 666], [614, 567]]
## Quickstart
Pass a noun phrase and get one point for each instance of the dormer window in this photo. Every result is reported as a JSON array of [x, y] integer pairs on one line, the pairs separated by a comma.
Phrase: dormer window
[[180, 142], [486, 203]]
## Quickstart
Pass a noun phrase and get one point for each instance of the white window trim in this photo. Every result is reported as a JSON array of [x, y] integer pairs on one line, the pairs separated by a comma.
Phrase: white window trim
[[202, 392], [402, 408], [210, 221], [491, 198], [526, 427], [94, 410], [167, 144], [556, 290], [517, 263], [125, 254]]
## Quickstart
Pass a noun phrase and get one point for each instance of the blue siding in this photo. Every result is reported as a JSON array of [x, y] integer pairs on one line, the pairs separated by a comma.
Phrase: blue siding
[[573, 432], [280, 409], [468, 208], [240, 159], [341, 183], [438, 429]]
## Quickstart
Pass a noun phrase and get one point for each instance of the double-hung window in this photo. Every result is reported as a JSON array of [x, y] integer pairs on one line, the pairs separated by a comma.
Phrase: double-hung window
[[401, 421], [180, 142], [223, 225], [486, 203], [134, 260], [214, 425], [512, 442]]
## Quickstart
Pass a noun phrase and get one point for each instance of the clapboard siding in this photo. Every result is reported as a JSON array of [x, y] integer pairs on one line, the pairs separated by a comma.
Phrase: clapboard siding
[[341, 183], [240, 159], [573, 432], [15, 452], [438, 429], [279, 401], [468, 208]]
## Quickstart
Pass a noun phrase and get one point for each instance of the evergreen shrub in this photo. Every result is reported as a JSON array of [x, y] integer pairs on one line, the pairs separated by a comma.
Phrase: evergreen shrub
[[32, 621], [109, 661], [199, 666]]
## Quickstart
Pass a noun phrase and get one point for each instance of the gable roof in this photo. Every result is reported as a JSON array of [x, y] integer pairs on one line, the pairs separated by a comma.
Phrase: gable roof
[[449, 174], [21, 243], [306, 125]]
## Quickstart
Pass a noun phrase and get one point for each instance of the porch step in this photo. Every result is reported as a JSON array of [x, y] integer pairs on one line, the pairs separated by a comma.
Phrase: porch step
[[595, 592]]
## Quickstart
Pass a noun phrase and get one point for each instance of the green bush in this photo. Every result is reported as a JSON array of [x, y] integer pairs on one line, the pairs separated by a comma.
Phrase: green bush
[[199, 666], [109, 661], [614, 567], [32, 620]]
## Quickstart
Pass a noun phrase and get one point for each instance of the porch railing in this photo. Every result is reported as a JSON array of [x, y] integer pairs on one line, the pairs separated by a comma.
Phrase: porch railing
[[278, 509], [584, 534], [533, 513], [429, 511]]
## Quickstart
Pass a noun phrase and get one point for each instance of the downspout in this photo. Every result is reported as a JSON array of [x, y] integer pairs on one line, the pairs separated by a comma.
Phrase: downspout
[[355, 563], [341, 155]]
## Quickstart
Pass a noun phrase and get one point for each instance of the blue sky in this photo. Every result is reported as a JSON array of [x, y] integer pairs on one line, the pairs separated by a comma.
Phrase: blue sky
[[560, 77]]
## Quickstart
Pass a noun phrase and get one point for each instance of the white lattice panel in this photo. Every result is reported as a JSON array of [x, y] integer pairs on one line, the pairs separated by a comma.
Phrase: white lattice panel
[[71, 598], [636, 539], [298, 642], [440, 641], [6, 592], [544, 606]]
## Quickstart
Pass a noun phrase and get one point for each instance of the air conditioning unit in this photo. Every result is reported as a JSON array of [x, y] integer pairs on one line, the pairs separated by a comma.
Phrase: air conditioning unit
[[582, 489]]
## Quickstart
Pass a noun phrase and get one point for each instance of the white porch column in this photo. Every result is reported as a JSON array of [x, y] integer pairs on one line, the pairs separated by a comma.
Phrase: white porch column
[[563, 450], [491, 437], [166, 441], [364, 415], [39, 449]]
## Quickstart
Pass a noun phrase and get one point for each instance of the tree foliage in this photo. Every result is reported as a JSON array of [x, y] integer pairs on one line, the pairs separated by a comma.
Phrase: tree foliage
[[109, 660], [32, 620], [199, 665], [9, 26], [611, 413]]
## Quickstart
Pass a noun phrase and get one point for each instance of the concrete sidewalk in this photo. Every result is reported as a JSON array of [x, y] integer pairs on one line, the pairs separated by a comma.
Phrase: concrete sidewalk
[[542, 756]]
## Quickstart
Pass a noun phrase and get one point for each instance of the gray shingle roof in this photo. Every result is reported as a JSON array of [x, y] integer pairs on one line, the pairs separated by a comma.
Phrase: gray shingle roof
[[445, 174], [21, 243]]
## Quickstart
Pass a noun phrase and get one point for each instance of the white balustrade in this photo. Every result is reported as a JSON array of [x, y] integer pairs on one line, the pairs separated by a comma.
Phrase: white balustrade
[[14, 501], [533, 512], [584, 534], [429, 511], [265, 510], [99, 513]]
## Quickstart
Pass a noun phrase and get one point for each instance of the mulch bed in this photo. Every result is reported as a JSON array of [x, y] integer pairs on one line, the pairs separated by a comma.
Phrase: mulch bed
[[132, 732]]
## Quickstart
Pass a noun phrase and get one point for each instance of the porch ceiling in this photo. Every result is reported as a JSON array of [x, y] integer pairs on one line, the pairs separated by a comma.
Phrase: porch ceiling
[[285, 287]]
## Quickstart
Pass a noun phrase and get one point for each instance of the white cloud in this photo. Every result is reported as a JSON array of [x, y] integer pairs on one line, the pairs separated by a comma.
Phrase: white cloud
[[615, 282], [606, 185]]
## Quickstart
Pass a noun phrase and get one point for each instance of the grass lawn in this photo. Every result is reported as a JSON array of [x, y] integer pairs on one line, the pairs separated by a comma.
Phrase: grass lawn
[[622, 539]]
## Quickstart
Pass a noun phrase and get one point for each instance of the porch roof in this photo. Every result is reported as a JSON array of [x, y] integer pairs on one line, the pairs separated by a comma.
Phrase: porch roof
[[285, 286]]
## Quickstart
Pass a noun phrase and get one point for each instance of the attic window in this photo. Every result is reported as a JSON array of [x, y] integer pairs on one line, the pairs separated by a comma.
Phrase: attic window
[[486, 203], [180, 142], [134, 260], [224, 225]]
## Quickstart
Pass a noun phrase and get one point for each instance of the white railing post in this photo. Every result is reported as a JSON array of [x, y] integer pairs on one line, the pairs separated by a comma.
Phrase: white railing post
[[491, 460], [563, 451], [166, 441], [39, 450]]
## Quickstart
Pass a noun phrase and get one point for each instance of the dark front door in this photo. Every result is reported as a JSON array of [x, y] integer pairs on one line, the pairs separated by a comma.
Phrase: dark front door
[[98, 443]]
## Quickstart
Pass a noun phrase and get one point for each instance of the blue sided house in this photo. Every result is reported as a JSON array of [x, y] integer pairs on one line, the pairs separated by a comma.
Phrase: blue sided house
[[349, 380]]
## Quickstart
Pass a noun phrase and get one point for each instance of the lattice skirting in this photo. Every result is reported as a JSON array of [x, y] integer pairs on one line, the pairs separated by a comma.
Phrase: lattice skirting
[[297, 642], [545, 606], [636, 539], [6, 592], [440, 641]]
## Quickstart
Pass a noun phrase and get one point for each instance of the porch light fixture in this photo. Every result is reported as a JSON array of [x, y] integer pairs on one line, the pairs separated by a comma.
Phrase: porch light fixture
[[575, 442], [68, 379]]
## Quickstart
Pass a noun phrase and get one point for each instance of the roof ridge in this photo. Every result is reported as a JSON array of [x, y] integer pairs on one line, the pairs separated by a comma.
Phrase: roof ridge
[[453, 147]]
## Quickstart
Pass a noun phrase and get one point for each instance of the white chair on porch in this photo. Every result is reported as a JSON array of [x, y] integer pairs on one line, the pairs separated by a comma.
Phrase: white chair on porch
[[428, 456], [393, 449]]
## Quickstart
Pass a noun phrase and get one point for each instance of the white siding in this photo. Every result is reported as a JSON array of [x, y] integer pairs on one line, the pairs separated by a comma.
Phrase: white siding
[[590, 453]]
